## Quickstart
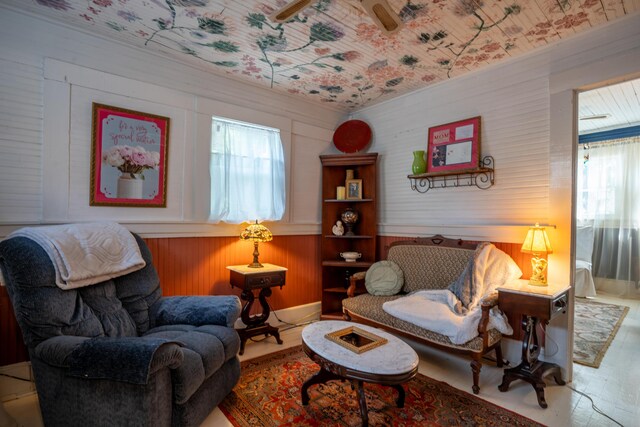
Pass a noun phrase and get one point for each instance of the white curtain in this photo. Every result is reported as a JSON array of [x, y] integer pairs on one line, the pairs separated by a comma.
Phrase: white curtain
[[247, 173], [609, 199]]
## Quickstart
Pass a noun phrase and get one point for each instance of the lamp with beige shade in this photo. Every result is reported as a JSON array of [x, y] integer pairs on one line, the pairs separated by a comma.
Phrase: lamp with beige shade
[[537, 243]]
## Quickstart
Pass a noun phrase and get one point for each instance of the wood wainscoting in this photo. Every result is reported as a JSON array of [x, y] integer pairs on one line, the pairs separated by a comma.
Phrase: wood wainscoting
[[12, 348], [197, 266]]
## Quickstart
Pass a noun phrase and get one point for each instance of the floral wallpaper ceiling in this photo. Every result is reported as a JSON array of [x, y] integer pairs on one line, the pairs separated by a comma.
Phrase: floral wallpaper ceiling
[[331, 52]]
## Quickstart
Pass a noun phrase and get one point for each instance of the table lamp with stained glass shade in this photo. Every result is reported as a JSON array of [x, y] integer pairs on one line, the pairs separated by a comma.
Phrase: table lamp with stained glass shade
[[256, 233], [537, 243]]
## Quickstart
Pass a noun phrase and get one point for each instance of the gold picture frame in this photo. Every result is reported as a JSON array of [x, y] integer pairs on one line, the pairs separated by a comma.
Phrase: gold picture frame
[[354, 189], [356, 339]]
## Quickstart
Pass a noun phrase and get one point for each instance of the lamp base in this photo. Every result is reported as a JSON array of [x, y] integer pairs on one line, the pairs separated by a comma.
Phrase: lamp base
[[256, 254], [538, 265], [255, 265]]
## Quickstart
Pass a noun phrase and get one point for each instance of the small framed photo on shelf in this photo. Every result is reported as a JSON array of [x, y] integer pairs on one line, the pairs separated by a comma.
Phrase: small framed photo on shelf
[[454, 146], [354, 189]]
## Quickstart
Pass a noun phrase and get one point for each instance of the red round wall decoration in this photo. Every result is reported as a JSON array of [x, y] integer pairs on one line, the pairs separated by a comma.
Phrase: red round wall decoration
[[352, 136]]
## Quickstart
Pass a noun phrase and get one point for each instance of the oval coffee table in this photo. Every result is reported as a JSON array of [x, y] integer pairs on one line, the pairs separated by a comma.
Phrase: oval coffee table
[[390, 364]]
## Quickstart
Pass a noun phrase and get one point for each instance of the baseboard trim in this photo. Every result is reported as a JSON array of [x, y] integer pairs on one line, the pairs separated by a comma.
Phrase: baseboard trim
[[16, 381], [292, 315]]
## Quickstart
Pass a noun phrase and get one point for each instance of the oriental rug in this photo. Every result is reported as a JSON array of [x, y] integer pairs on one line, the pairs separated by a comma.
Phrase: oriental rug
[[595, 327], [268, 395]]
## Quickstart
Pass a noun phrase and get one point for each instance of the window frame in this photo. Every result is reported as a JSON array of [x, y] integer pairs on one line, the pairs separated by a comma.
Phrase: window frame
[[208, 108], [246, 156]]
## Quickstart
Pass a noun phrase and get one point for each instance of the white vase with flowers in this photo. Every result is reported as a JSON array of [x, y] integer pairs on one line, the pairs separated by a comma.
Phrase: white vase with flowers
[[131, 162]]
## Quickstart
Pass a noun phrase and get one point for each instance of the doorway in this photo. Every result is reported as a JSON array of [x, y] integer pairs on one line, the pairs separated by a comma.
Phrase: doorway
[[607, 188]]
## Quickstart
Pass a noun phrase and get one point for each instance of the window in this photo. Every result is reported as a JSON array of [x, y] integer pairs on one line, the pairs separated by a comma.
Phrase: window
[[247, 172], [609, 181]]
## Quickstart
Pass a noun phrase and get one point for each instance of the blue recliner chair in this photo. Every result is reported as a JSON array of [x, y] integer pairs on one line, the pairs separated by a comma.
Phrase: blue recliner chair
[[118, 353]]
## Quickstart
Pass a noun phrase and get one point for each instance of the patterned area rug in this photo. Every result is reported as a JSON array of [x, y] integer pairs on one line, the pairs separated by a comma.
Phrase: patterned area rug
[[268, 394], [596, 324]]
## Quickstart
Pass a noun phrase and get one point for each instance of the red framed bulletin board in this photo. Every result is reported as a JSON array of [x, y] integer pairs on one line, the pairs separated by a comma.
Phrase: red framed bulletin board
[[454, 146]]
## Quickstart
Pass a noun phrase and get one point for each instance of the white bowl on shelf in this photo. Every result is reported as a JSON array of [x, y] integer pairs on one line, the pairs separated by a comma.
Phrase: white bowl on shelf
[[350, 256]]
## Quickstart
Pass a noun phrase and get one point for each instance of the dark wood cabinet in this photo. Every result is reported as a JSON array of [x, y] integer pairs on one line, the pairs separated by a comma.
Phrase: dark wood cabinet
[[249, 279], [335, 270]]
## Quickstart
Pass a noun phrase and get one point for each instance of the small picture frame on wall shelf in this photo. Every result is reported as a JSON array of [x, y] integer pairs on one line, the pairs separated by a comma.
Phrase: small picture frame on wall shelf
[[354, 189], [454, 147]]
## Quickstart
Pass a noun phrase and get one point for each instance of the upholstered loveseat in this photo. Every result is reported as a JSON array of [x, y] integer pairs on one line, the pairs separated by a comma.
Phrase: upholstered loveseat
[[427, 264], [117, 352]]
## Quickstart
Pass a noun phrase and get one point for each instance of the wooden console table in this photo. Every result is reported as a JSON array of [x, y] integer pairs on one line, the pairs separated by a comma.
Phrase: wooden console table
[[539, 304], [248, 279]]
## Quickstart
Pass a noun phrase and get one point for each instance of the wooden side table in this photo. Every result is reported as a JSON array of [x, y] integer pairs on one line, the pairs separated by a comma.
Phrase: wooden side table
[[250, 279], [540, 304]]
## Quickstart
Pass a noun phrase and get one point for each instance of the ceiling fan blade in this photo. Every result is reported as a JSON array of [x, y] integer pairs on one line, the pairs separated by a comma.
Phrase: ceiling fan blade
[[382, 15], [289, 11]]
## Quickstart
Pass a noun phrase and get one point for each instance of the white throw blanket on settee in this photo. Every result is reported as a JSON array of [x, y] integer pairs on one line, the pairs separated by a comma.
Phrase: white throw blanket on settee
[[432, 310], [457, 315], [88, 253]]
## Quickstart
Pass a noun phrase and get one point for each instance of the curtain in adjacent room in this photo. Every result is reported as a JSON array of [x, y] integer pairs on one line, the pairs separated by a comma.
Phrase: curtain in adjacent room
[[609, 200], [247, 173]]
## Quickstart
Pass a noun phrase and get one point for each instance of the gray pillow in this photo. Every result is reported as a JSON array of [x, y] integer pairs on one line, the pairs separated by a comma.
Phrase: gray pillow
[[384, 278]]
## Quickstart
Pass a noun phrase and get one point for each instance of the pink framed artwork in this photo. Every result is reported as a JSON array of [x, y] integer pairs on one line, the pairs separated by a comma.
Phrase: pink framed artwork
[[128, 158], [454, 146]]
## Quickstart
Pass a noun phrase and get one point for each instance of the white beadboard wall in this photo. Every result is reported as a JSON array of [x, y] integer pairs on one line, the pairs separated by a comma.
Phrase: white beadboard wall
[[514, 101], [20, 137], [528, 115], [49, 76]]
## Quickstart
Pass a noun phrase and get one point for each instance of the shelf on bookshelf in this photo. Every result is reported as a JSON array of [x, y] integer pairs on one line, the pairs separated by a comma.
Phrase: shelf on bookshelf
[[347, 200], [358, 264], [331, 236], [336, 290]]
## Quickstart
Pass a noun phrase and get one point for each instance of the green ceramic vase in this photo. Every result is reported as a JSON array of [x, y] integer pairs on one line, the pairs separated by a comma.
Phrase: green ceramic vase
[[419, 164]]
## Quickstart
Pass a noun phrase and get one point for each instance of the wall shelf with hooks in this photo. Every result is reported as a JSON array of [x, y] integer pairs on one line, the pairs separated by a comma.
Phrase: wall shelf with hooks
[[481, 178]]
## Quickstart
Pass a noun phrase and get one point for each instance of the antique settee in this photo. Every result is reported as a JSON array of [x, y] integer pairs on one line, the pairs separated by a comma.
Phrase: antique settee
[[434, 264], [118, 352]]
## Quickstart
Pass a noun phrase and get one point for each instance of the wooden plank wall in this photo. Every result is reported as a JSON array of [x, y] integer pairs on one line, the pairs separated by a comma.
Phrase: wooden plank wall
[[197, 266], [12, 348]]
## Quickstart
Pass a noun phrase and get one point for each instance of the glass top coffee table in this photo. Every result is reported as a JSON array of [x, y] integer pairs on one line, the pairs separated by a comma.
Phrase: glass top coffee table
[[353, 353]]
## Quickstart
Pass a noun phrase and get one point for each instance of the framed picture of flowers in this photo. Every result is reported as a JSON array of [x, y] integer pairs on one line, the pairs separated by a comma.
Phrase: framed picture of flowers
[[128, 158], [454, 146]]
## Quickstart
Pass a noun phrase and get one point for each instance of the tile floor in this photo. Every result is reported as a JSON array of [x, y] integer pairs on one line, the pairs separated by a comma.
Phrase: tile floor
[[614, 386]]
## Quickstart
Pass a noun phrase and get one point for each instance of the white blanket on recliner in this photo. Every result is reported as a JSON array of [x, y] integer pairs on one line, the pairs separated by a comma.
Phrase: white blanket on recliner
[[432, 310], [88, 253]]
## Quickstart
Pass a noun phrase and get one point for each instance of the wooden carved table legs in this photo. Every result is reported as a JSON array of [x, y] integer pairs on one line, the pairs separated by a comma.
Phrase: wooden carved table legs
[[256, 324], [530, 368]]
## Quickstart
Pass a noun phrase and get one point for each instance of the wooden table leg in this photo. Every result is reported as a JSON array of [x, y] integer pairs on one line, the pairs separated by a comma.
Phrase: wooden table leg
[[531, 369], [362, 401], [400, 399], [256, 324], [321, 377]]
